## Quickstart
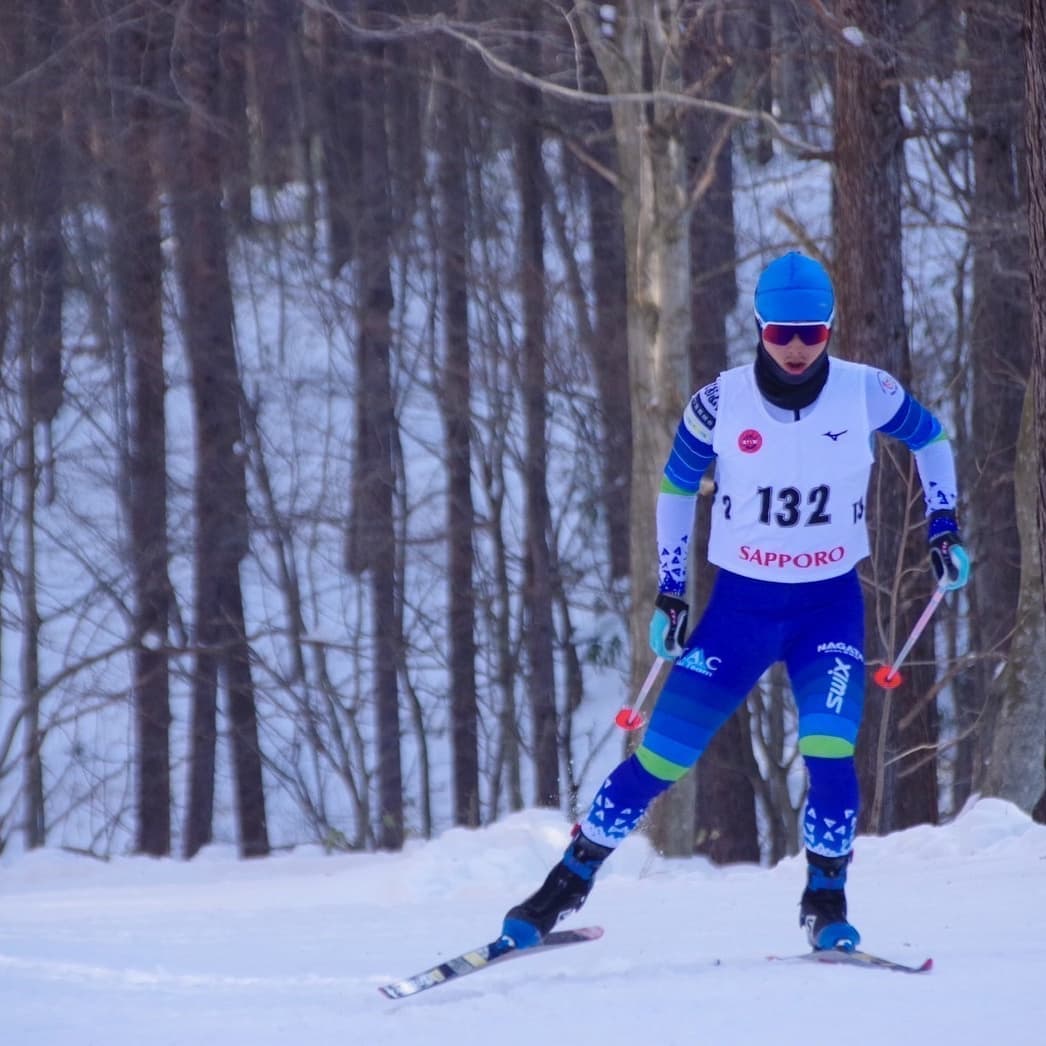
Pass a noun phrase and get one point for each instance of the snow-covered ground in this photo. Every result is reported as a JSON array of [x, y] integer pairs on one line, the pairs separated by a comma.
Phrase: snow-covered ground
[[291, 950]]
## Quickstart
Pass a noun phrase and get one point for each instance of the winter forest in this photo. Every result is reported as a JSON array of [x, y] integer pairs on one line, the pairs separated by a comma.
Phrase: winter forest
[[342, 347]]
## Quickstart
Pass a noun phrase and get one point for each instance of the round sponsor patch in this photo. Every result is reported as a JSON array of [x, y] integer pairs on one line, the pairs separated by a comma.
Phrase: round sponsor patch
[[886, 383], [749, 441]]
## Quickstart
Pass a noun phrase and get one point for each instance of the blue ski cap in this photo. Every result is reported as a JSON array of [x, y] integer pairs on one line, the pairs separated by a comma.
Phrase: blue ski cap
[[794, 289]]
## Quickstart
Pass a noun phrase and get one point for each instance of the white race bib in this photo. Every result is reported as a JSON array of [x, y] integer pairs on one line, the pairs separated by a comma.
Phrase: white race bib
[[790, 495]]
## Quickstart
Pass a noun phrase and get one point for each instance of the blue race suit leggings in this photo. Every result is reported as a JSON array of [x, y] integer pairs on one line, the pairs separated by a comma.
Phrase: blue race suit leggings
[[817, 629]]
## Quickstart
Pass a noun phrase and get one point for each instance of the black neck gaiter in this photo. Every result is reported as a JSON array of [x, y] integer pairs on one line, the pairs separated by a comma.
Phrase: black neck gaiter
[[791, 392]]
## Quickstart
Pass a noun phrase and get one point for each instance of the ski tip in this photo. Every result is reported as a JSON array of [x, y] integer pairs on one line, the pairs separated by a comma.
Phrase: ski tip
[[574, 935], [590, 933], [395, 991], [503, 947], [855, 957]]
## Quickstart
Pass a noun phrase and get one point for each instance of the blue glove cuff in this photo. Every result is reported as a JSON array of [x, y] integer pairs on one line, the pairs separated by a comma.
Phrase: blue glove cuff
[[960, 557], [659, 626], [942, 522]]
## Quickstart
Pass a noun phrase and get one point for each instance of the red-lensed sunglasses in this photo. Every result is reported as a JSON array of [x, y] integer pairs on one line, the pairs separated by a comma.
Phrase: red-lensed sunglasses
[[783, 333]]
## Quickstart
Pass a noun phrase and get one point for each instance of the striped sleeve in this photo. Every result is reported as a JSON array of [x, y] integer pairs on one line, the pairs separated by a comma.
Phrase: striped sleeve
[[690, 457], [692, 448], [896, 413]]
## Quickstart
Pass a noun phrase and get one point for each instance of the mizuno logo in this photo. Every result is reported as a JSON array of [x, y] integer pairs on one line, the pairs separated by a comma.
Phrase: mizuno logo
[[834, 436]]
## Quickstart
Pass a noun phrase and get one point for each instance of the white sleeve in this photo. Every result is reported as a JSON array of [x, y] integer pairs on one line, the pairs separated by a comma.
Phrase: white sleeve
[[936, 465], [675, 521]]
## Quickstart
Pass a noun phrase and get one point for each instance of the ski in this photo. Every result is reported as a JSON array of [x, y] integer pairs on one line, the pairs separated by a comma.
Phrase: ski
[[480, 958], [839, 957]]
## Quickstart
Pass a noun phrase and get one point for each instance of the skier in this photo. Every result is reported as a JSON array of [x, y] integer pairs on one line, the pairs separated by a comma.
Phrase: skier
[[791, 436]]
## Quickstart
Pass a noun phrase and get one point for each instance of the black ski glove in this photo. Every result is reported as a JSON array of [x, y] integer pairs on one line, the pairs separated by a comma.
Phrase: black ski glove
[[668, 626]]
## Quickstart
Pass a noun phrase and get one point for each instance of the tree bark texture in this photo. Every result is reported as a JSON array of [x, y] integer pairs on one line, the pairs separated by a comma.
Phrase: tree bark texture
[[609, 343], [1000, 356], [1035, 121], [138, 271], [220, 483], [1015, 766], [456, 402], [276, 87], [645, 52], [34, 812], [725, 827], [374, 477], [339, 100], [46, 249], [897, 766], [539, 628], [37, 188], [237, 165]]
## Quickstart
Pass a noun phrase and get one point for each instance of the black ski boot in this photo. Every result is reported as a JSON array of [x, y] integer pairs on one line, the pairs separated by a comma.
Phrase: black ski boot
[[563, 891], [822, 911]]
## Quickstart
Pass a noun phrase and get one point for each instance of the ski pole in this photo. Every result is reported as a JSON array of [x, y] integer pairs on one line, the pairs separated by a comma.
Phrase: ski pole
[[630, 718], [889, 676]]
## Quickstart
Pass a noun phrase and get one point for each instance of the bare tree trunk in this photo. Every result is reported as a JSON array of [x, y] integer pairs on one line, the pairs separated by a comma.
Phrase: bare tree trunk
[[138, 267], [456, 403], [1000, 353], [608, 347], [35, 824], [203, 733], [933, 37], [238, 166], [539, 634], [273, 51], [897, 767], [243, 721], [642, 49], [340, 117], [1015, 767], [221, 495], [1035, 120], [38, 184], [509, 760], [756, 57], [798, 49], [372, 535], [46, 250], [507, 772], [725, 825]]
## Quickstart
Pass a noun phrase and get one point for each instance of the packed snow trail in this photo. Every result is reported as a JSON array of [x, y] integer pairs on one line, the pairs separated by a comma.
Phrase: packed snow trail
[[290, 951]]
